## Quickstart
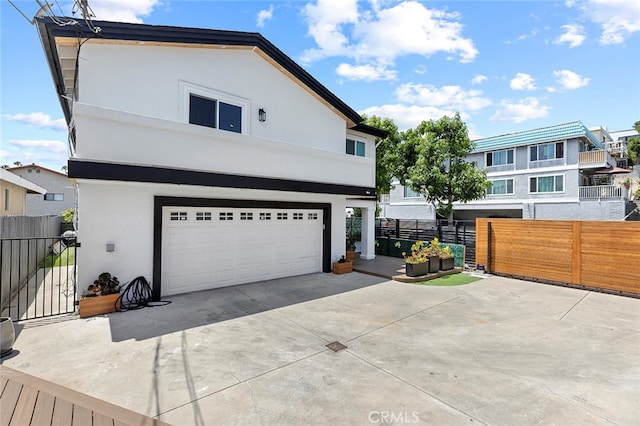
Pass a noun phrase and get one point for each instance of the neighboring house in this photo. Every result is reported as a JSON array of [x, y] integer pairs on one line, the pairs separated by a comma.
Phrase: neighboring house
[[13, 193], [60, 194], [205, 158], [555, 172], [620, 140]]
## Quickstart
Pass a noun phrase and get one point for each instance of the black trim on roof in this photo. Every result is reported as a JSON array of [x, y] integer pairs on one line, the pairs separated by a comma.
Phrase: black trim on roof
[[81, 169], [168, 34], [370, 130]]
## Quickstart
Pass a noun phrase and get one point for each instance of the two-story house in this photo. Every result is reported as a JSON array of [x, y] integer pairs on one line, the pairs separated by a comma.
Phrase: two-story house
[[60, 193], [555, 172], [205, 158]]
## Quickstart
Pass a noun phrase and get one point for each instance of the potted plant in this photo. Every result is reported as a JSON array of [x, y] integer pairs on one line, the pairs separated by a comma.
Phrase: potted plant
[[447, 261], [351, 248], [103, 296], [417, 263], [433, 253], [342, 266]]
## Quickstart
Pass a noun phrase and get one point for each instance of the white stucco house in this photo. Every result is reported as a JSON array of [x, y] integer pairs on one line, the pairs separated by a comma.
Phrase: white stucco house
[[205, 158]]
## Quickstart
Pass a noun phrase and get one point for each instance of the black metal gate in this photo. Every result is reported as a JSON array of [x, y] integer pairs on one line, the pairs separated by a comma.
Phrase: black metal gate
[[38, 277]]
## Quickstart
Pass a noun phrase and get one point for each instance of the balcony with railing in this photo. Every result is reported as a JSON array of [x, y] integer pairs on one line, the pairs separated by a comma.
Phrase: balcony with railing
[[601, 191], [595, 159]]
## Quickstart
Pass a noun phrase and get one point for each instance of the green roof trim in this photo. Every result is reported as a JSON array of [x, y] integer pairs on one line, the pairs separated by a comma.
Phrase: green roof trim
[[572, 130]]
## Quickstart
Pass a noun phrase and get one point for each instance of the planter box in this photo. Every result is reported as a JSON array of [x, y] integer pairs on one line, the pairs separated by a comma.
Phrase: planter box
[[447, 263], [342, 268], [416, 269], [90, 306], [351, 255], [434, 264]]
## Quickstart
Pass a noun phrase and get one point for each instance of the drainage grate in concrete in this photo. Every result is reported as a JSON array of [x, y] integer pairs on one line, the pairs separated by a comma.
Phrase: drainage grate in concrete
[[336, 346]]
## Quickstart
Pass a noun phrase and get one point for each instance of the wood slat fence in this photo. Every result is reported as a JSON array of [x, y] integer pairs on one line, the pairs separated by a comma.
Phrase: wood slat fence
[[602, 255]]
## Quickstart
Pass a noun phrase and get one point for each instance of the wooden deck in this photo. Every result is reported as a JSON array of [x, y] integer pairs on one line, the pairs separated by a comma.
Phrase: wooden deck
[[27, 400]]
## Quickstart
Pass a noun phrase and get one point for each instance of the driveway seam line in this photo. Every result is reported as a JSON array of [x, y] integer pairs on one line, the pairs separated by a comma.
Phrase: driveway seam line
[[574, 305], [400, 319], [415, 387], [240, 382]]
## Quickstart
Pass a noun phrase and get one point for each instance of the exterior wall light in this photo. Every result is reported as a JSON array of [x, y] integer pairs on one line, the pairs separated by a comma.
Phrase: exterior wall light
[[262, 114]]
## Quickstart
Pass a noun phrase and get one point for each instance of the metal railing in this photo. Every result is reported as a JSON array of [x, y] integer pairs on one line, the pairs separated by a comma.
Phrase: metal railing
[[600, 191], [38, 277]]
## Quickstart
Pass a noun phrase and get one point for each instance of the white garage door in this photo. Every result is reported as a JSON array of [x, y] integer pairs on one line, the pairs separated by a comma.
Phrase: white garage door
[[206, 247]]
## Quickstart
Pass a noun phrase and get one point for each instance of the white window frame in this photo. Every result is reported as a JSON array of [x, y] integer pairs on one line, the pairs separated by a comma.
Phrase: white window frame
[[564, 184], [506, 187], [506, 151], [538, 145], [404, 193], [355, 147], [187, 89]]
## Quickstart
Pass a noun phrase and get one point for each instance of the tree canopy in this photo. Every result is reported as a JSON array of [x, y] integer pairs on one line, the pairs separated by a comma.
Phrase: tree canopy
[[432, 160], [633, 146], [385, 152]]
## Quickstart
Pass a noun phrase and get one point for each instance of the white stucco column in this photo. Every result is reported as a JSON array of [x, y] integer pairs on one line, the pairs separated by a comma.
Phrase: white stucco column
[[368, 249]]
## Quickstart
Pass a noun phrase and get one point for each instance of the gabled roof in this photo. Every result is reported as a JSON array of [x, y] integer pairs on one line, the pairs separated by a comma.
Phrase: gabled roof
[[61, 43], [35, 166], [574, 129], [31, 187]]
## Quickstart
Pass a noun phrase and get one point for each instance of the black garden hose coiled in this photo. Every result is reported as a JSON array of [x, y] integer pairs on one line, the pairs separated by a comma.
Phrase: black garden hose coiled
[[137, 294]]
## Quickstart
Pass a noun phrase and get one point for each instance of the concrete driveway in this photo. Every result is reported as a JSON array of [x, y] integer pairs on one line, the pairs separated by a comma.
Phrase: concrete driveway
[[498, 351]]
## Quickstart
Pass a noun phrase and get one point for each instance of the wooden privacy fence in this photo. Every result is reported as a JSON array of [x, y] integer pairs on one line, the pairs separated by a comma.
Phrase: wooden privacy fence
[[602, 255]]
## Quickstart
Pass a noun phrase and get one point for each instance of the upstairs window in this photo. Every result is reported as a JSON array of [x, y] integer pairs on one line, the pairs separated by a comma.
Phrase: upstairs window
[[355, 147], [410, 193], [500, 158], [501, 187], [547, 151], [215, 114], [546, 184]]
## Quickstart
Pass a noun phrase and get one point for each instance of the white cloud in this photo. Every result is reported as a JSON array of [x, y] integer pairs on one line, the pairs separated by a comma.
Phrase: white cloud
[[522, 110], [264, 15], [551, 89], [451, 98], [123, 10], [530, 34], [573, 35], [366, 72], [478, 78], [379, 35], [618, 19], [45, 145], [570, 80], [37, 119], [409, 116], [522, 81]]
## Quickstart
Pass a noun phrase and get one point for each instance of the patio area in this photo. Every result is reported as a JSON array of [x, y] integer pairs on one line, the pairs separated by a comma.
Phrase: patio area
[[496, 351]]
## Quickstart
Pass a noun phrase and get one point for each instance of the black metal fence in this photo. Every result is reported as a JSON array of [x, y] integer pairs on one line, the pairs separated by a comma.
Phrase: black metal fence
[[458, 232], [38, 277]]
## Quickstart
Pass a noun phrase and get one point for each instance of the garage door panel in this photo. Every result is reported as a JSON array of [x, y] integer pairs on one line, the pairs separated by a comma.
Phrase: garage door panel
[[212, 247]]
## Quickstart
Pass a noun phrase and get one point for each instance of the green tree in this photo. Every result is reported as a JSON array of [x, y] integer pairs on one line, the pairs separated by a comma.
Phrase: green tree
[[432, 161], [633, 145], [386, 151]]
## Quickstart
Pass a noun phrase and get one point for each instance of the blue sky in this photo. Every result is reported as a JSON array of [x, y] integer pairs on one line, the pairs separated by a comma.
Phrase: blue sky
[[504, 65]]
